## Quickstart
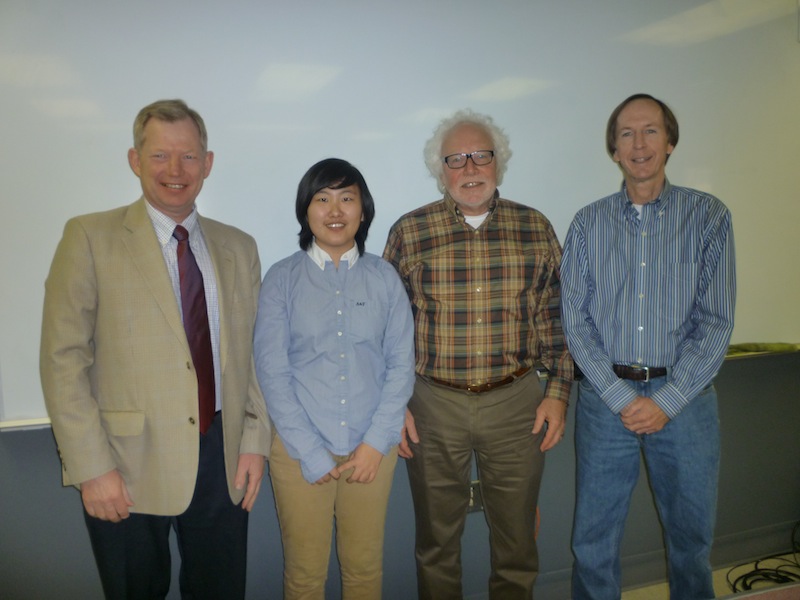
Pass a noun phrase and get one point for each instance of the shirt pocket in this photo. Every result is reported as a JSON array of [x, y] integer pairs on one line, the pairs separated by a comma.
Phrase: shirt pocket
[[368, 320], [678, 293]]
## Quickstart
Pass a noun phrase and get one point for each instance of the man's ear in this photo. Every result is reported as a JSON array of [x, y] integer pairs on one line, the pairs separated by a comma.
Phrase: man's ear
[[133, 161], [209, 162]]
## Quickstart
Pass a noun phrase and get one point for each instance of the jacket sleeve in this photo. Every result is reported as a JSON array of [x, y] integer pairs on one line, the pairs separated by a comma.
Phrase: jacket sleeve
[[67, 355]]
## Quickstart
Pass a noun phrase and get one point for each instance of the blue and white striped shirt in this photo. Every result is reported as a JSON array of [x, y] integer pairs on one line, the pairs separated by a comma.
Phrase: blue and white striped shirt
[[655, 290]]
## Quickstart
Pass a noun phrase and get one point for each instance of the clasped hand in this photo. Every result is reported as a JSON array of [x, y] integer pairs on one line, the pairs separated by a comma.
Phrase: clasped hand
[[364, 461], [643, 416]]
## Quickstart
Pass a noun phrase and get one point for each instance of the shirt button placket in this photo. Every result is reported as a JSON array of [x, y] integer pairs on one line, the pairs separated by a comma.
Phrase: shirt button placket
[[342, 354]]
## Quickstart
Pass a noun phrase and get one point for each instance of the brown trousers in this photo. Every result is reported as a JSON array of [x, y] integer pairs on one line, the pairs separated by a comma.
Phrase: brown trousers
[[495, 427]]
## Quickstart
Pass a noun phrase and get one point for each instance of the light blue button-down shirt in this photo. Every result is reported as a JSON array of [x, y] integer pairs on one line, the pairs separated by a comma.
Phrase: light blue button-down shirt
[[655, 289], [334, 355]]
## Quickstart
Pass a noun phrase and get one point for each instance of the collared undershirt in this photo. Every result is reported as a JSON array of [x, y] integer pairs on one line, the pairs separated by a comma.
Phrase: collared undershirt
[[320, 257], [164, 227]]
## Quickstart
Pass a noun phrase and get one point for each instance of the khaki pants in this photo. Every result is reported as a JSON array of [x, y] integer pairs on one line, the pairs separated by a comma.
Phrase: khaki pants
[[495, 427], [306, 512]]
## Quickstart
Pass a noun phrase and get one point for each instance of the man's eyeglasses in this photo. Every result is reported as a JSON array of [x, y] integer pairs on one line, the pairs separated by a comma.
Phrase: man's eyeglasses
[[459, 161]]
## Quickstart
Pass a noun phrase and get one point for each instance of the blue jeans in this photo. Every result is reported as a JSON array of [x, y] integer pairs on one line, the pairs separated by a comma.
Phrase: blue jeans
[[682, 462]]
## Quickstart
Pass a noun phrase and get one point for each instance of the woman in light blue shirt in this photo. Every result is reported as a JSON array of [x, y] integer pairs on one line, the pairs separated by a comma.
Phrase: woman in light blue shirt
[[335, 359]]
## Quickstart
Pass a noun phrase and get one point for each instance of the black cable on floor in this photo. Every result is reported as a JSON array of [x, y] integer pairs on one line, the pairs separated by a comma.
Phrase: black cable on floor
[[787, 570]]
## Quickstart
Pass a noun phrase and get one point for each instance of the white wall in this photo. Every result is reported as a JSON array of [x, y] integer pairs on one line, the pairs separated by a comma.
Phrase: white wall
[[284, 84]]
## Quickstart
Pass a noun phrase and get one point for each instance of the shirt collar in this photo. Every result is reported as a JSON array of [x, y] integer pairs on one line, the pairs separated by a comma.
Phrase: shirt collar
[[659, 202], [164, 226], [451, 205], [320, 257]]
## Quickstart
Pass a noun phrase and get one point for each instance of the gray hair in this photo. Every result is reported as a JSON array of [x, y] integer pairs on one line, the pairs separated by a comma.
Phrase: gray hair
[[433, 147]]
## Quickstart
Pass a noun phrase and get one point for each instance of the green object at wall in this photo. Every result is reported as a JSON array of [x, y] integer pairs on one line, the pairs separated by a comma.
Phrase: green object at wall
[[760, 348]]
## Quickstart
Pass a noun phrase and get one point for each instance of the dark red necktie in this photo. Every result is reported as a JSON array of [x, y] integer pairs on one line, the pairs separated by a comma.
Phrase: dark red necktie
[[195, 322]]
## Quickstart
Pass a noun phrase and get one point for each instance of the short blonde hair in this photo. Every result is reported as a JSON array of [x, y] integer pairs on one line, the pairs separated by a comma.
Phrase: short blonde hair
[[170, 111]]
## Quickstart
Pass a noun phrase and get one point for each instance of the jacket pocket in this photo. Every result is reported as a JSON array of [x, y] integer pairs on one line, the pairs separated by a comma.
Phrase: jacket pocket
[[122, 423]]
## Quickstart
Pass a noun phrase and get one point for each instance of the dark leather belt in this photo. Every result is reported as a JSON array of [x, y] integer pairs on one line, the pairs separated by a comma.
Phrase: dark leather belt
[[482, 387], [637, 373]]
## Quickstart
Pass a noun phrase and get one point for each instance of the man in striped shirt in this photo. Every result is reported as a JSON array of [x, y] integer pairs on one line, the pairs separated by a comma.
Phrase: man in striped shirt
[[482, 275], [648, 300]]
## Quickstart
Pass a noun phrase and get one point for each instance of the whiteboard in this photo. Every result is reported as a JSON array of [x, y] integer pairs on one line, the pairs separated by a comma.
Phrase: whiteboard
[[284, 84]]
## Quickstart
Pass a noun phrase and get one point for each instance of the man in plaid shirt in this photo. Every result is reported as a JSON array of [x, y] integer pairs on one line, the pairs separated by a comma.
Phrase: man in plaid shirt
[[482, 274]]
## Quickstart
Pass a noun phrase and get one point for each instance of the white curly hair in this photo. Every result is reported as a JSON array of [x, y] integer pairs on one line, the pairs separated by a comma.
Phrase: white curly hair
[[433, 147]]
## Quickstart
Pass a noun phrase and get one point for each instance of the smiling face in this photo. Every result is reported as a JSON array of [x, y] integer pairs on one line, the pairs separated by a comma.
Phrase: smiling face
[[472, 187], [334, 216], [171, 165], [642, 143]]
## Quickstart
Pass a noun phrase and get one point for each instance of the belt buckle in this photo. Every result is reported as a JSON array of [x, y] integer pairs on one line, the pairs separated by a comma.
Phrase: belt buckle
[[480, 388], [646, 374]]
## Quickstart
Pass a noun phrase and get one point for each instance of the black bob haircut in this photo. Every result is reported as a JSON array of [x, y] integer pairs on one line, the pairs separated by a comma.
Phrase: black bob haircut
[[333, 173]]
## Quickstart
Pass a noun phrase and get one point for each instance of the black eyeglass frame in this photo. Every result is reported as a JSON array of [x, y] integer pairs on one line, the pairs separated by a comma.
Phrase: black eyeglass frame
[[466, 157]]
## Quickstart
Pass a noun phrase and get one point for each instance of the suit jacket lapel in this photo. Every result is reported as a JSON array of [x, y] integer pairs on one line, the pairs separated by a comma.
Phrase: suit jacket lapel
[[225, 270], [146, 254]]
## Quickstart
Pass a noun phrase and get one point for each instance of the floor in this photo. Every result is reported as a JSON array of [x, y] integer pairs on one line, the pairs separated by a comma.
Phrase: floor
[[721, 587], [661, 591]]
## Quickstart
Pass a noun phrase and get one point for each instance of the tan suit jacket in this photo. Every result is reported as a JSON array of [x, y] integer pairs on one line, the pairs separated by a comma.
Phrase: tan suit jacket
[[117, 373]]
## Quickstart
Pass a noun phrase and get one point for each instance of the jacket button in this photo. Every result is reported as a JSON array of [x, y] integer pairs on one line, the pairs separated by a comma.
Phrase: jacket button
[[191, 420]]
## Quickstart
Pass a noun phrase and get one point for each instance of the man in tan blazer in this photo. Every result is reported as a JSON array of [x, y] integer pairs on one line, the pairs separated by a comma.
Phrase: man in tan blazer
[[121, 387]]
